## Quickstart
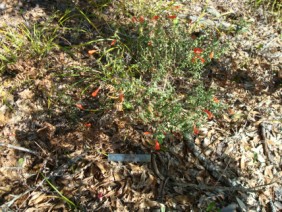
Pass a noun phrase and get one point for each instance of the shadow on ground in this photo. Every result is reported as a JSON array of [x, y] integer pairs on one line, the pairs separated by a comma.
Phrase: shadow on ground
[[72, 158]]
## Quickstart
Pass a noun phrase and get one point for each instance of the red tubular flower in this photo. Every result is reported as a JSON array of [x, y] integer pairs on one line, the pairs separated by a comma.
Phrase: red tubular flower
[[211, 55], [95, 93], [202, 59], [79, 106], [177, 7], [121, 97], [198, 50], [209, 113], [215, 100], [231, 111], [196, 130], [172, 16], [141, 19], [157, 146], [113, 42], [156, 17], [197, 57], [87, 124], [93, 51]]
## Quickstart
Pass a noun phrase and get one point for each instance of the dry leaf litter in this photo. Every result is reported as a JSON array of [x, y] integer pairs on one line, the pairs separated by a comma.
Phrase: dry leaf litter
[[243, 146]]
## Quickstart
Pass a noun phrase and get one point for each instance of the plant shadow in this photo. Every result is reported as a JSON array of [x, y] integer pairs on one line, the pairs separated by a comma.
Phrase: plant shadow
[[225, 76]]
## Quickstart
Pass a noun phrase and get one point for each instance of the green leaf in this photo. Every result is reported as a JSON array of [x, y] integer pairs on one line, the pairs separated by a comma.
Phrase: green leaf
[[128, 105], [21, 161]]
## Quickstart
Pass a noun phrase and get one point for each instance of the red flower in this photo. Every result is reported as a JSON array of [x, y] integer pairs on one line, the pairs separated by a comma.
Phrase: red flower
[[211, 55], [195, 130], [172, 16], [95, 93], [147, 133], [177, 7], [121, 97], [87, 124], [202, 59], [156, 17], [209, 113], [90, 52], [141, 19], [231, 111], [157, 146], [198, 50], [215, 100], [198, 57], [113, 42], [79, 106]]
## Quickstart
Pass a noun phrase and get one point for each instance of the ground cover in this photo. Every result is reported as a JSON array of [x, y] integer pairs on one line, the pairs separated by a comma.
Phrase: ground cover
[[196, 84]]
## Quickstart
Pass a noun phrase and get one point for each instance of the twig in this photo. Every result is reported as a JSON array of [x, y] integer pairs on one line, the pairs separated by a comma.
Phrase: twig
[[223, 170], [214, 170], [155, 167], [19, 148], [262, 133], [10, 203], [222, 188], [162, 188], [159, 175]]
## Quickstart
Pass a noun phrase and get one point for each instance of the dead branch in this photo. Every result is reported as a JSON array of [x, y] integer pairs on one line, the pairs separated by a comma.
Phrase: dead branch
[[209, 166], [222, 188], [155, 167], [19, 148], [262, 133]]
